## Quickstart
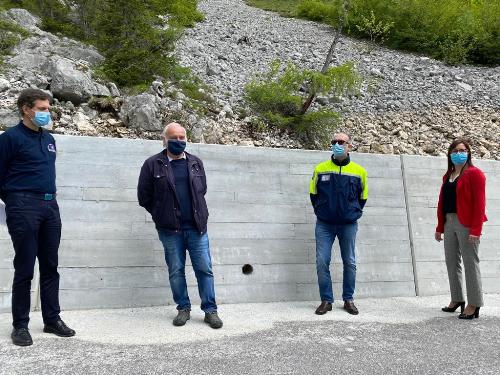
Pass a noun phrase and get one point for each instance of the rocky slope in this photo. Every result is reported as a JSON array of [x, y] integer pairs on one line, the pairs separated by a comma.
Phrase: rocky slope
[[408, 103], [87, 105]]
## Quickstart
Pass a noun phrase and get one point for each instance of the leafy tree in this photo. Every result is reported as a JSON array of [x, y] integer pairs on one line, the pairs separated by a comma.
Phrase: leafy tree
[[277, 98]]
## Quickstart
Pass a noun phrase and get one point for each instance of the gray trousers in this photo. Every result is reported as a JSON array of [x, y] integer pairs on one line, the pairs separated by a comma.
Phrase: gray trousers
[[457, 247]]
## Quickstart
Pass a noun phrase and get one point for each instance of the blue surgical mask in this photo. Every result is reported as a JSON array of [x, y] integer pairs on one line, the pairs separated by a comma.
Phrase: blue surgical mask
[[42, 118], [338, 150], [176, 147], [459, 158]]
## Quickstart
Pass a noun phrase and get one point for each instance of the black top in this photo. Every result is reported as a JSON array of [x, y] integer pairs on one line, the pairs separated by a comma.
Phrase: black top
[[27, 161], [450, 197], [181, 177]]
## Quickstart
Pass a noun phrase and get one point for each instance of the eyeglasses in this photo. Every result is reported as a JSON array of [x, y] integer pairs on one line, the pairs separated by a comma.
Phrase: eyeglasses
[[339, 141]]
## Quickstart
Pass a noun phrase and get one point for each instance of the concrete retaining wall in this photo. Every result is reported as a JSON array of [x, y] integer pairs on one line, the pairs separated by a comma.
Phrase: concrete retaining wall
[[259, 214]]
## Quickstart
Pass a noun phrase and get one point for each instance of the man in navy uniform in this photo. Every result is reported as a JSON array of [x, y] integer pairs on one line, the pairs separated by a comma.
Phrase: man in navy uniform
[[172, 187], [28, 189]]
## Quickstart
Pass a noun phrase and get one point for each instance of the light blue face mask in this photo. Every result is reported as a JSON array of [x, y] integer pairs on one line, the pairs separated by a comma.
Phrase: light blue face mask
[[42, 118], [338, 150], [459, 158]]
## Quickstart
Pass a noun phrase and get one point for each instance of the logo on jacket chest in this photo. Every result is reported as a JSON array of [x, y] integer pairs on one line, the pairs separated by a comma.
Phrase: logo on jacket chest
[[51, 147]]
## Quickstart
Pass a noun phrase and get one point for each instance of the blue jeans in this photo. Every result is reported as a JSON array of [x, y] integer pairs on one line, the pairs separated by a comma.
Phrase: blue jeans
[[325, 236], [175, 246]]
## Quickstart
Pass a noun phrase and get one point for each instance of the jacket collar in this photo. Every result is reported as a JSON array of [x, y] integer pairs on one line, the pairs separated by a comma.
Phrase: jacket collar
[[342, 163], [164, 157]]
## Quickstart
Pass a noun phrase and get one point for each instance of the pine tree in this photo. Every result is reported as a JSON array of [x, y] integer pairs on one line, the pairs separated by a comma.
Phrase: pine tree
[[136, 50]]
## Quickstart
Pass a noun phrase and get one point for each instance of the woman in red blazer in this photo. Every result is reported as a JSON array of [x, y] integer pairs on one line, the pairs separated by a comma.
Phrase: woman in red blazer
[[461, 214]]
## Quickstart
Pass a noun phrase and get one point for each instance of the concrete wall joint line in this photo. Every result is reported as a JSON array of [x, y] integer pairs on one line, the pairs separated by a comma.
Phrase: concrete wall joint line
[[410, 228]]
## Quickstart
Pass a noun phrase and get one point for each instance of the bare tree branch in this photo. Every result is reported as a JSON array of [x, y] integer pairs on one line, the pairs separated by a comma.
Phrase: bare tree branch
[[331, 52]]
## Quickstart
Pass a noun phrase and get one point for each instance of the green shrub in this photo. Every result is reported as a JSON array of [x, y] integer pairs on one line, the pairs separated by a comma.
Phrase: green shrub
[[10, 35], [376, 29], [184, 13], [317, 10], [277, 98], [284, 7], [66, 28]]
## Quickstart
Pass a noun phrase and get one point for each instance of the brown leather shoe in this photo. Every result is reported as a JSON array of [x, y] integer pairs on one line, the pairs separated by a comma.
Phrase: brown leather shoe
[[350, 308], [324, 308]]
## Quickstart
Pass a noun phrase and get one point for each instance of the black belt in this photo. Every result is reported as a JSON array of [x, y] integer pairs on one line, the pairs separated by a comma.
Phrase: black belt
[[41, 196]]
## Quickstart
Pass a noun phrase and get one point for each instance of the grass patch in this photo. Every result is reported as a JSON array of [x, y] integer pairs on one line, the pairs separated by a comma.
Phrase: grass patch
[[286, 8]]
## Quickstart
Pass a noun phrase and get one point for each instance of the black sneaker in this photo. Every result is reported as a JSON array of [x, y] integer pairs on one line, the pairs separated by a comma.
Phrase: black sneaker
[[182, 317], [59, 328], [21, 337], [213, 320]]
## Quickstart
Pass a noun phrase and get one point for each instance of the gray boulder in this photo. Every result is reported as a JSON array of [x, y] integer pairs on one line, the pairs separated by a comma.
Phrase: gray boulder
[[4, 84], [9, 117], [73, 83], [23, 18], [142, 112], [114, 89], [77, 52], [31, 54]]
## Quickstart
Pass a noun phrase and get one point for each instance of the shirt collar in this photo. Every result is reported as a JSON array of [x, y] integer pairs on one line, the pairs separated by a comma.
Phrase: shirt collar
[[182, 157], [29, 131]]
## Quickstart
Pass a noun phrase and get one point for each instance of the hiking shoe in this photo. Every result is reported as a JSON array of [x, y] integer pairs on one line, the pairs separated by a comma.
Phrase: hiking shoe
[[182, 317], [213, 320]]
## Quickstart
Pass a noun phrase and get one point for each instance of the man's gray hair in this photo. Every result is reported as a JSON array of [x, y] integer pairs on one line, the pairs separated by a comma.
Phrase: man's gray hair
[[172, 125]]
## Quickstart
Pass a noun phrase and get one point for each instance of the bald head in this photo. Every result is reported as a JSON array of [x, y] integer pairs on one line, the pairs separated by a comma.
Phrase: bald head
[[174, 131], [341, 145], [342, 136]]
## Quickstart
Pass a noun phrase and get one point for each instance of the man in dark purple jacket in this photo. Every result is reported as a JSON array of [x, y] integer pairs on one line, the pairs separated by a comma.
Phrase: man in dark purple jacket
[[172, 187]]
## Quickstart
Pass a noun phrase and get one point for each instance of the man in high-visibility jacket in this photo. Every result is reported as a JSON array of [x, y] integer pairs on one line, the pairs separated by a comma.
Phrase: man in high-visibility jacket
[[338, 191]]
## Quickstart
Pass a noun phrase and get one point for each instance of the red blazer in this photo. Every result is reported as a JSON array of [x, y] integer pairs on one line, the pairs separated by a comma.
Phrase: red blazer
[[471, 201]]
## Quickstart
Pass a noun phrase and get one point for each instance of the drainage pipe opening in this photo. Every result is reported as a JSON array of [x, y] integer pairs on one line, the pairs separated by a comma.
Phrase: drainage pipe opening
[[247, 269]]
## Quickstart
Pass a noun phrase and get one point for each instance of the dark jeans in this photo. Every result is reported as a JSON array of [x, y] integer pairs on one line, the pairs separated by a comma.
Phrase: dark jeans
[[325, 236], [35, 229], [175, 246]]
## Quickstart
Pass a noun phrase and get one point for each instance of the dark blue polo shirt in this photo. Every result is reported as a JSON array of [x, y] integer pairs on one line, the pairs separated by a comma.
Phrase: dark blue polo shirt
[[27, 161]]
